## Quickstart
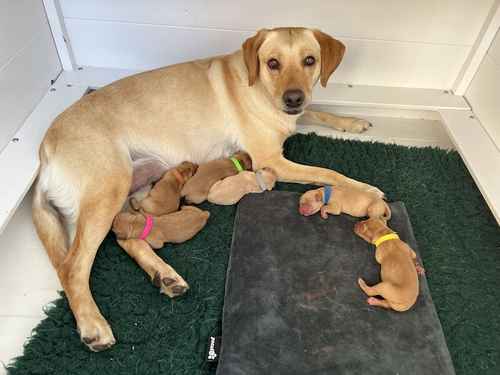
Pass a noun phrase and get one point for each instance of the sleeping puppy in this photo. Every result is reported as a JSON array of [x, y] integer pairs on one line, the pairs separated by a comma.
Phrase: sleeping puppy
[[343, 199], [196, 189], [176, 227], [231, 189], [165, 195], [399, 271]]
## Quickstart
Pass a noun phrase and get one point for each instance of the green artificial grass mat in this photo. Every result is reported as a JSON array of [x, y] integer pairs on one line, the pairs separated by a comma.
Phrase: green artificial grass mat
[[458, 238]]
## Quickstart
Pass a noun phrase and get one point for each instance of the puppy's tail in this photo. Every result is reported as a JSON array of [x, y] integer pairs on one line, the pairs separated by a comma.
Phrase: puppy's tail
[[380, 209], [387, 213], [49, 225]]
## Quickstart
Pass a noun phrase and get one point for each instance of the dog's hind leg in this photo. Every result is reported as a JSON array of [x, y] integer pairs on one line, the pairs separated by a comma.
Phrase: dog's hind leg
[[49, 226], [162, 275], [97, 209], [340, 123]]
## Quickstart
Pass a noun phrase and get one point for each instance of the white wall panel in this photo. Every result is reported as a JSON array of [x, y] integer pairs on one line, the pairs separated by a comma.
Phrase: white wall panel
[[390, 42], [430, 21], [494, 51], [31, 61], [20, 21], [140, 46], [484, 96]]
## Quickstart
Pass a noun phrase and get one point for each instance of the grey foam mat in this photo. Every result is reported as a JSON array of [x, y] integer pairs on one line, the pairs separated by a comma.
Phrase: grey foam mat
[[293, 306]]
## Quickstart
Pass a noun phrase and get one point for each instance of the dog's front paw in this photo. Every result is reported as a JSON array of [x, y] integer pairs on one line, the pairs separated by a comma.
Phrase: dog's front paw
[[171, 285], [95, 332], [358, 126]]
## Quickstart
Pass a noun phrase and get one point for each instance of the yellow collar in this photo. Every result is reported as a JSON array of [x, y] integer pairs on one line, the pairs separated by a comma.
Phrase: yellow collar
[[386, 237]]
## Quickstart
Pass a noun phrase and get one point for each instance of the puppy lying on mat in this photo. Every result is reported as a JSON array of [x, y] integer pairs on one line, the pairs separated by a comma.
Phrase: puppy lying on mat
[[197, 187], [231, 189], [399, 287], [343, 199]]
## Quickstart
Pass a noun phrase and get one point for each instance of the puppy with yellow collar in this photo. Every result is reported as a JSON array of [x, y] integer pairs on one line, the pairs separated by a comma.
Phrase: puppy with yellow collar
[[398, 268]]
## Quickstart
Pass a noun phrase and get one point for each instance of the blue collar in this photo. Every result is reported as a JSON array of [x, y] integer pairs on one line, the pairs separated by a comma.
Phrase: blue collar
[[327, 194]]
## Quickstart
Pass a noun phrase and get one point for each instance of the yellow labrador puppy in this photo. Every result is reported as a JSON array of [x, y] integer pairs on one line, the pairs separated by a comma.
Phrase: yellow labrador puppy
[[196, 111]]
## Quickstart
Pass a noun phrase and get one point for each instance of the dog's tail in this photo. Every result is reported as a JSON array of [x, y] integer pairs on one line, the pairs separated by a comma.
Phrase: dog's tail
[[48, 220]]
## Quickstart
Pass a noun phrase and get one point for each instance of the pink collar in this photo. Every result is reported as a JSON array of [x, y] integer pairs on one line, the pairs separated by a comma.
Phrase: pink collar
[[148, 227]]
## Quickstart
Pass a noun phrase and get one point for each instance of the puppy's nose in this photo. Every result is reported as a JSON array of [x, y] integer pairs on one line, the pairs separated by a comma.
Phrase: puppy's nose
[[304, 210], [293, 98]]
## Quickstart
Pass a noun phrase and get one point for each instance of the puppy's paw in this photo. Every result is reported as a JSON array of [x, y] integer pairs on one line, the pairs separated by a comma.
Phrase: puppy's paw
[[420, 269], [95, 332], [171, 285]]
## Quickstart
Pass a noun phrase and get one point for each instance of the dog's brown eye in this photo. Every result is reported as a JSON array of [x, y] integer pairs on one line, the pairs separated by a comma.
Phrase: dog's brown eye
[[309, 60], [273, 64]]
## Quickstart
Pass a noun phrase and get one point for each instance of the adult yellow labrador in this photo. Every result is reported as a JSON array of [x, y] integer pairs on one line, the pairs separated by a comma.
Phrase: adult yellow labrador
[[249, 100]]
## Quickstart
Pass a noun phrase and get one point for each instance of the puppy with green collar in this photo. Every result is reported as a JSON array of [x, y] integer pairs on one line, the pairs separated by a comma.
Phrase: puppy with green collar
[[343, 199]]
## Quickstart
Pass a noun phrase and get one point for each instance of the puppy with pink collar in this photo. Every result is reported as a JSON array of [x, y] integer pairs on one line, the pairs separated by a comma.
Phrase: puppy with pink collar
[[343, 199]]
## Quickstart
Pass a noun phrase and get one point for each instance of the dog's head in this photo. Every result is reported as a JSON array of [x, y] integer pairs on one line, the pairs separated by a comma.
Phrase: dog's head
[[371, 229], [287, 63], [311, 202]]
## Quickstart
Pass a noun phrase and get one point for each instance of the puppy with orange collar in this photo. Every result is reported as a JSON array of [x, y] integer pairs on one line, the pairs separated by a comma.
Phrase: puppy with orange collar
[[343, 199], [165, 195], [398, 268]]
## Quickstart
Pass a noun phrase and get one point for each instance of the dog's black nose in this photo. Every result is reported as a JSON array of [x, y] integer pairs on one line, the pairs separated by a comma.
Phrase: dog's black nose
[[293, 98]]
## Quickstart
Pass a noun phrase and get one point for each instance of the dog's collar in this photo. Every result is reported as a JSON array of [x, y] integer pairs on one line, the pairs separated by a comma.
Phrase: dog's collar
[[327, 193], [260, 181], [386, 237], [178, 176], [237, 164], [148, 227]]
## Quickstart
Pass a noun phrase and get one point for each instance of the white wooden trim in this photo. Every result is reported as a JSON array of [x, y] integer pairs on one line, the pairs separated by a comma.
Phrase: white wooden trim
[[478, 152], [59, 33], [479, 50], [333, 94], [19, 159], [388, 97]]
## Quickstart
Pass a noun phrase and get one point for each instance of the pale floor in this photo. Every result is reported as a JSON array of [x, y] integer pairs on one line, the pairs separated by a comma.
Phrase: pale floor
[[28, 283]]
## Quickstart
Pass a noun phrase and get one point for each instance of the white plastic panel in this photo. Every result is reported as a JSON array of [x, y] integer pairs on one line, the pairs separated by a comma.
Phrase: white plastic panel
[[390, 42], [484, 92], [26, 75]]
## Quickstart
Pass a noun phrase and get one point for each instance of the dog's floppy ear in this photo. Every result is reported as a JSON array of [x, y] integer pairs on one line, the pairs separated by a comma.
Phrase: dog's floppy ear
[[332, 52], [250, 54]]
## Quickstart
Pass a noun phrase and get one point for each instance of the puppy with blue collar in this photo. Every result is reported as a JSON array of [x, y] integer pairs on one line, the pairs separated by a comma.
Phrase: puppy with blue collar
[[343, 199]]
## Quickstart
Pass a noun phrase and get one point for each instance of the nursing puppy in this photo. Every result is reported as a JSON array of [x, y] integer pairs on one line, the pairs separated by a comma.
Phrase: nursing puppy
[[196, 189], [231, 189], [165, 196], [176, 227], [343, 199], [398, 268], [200, 111]]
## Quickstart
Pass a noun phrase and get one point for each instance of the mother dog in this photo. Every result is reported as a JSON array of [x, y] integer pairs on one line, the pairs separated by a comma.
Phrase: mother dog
[[196, 111]]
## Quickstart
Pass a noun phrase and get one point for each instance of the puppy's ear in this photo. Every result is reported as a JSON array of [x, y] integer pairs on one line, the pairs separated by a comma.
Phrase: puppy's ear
[[250, 54], [332, 52], [318, 196]]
